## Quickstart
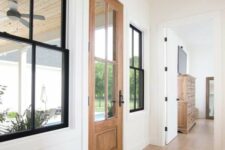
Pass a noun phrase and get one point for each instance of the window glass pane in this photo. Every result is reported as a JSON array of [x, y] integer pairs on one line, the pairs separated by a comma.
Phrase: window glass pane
[[15, 87], [99, 91], [100, 30], [47, 21], [211, 98], [132, 89], [137, 90], [131, 47], [48, 94], [111, 90], [13, 18], [136, 49], [111, 34]]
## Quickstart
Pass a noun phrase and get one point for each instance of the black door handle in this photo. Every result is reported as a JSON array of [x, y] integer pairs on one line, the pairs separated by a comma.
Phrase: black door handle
[[121, 101]]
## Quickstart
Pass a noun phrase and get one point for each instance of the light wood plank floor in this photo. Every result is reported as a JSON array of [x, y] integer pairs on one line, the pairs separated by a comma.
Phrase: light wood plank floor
[[200, 138]]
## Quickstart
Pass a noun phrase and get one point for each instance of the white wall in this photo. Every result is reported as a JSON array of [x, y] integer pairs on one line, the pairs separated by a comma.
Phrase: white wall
[[136, 125], [161, 12]]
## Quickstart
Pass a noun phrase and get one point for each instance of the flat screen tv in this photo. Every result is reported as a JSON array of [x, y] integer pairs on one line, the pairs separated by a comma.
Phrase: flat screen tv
[[182, 61]]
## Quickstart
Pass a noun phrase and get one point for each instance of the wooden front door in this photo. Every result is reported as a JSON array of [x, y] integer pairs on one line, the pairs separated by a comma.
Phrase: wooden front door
[[105, 75]]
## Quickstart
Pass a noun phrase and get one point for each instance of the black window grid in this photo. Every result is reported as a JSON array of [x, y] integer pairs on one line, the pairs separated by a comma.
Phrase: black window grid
[[65, 87], [65, 74], [137, 69]]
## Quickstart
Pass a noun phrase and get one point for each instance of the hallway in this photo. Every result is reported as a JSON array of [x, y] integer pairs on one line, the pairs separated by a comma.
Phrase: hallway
[[200, 138]]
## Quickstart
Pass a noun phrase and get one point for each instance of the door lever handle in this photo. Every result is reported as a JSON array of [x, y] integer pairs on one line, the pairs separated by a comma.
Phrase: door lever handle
[[121, 101]]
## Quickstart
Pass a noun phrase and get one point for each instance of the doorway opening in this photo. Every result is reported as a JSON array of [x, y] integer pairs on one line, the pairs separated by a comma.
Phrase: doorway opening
[[190, 59]]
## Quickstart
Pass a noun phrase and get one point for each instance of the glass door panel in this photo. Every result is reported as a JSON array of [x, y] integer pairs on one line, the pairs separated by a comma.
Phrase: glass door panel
[[104, 61], [99, 91], [111, 34]]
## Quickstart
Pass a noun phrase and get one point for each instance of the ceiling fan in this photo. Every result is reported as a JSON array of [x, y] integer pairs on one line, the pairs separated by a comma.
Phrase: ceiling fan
[[14, 14]]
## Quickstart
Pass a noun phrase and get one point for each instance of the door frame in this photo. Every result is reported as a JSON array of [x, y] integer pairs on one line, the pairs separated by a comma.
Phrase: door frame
[[216, 19], [207, 98], [91, 81]]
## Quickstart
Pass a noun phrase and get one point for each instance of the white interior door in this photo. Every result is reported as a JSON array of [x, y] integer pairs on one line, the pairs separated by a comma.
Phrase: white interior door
[[171, 85]]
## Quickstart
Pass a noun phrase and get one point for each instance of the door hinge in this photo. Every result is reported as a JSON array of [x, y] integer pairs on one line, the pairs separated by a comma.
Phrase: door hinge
[[166, 68], [166, 129], [166, 99], [178, 99], [165, 39]]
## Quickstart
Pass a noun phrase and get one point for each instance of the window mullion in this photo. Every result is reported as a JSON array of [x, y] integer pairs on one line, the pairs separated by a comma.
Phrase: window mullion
[[135, 89], [63, 23], [33, 86], [31, 19], [140, 50], [65, 88]]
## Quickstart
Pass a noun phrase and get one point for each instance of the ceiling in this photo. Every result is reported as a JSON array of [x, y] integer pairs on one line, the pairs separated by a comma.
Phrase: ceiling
[[196, 34]]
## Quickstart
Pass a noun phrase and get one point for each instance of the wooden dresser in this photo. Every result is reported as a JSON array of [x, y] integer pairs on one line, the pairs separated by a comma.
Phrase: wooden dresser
[[186, 103]]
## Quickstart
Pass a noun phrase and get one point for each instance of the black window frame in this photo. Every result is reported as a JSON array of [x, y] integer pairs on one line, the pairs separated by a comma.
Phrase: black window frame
[[138, 69], [65, 75]]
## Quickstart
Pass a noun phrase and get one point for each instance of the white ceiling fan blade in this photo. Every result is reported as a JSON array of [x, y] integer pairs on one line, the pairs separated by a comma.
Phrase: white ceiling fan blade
[[2, 15], [13, 4], [3, 18], [39, 17], [24, 22]]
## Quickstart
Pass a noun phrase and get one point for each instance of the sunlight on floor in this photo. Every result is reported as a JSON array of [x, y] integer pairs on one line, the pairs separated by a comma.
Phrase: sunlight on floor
[[200, 138]]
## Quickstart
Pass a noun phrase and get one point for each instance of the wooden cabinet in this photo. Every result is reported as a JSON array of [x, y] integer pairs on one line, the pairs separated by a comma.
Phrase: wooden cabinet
[[186, 103]]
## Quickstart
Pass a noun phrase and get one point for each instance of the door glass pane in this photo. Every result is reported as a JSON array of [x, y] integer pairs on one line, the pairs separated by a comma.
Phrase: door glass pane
[[211, 98], [99, 91], [111, 90], [100, 30], [111, 34], [132, 89], [12, 20], [47, 21], [15, 87], [48, 94]]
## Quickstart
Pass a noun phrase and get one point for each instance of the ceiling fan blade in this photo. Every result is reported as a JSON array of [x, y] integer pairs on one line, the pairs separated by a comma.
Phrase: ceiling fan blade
[[3, 18], [39, 17], [24, 22], [13, 4]]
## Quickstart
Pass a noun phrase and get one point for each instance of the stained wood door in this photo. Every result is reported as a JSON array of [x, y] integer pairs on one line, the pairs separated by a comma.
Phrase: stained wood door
[[105, 75]]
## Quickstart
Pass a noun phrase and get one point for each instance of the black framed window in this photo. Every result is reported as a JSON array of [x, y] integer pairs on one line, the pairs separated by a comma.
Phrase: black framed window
[[34, 66], [136, 70]]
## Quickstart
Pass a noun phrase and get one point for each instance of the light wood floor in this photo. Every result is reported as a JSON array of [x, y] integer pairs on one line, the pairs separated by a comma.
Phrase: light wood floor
[[200, 138]]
